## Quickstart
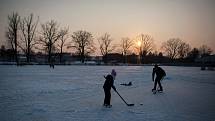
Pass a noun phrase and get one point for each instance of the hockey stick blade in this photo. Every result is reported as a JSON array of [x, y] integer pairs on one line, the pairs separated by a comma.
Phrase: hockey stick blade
[[130, 104]]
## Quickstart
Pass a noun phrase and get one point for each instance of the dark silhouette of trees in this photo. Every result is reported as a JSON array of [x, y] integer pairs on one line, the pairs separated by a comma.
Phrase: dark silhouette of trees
[[193, 54], [144, 45], [176, 48], [50, 34], [64, 35], [126, 44], [6, 54], [21, 34], [105, 45], [183, 50], [28, 28], [204, 50], [2, 51], [83, 43], [171, 47], [12, 33]]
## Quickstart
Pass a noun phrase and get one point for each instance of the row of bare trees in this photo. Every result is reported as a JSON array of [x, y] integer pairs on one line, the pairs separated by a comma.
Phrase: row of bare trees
[[11, 34], [27, 26], [22, 33], [177, 48]]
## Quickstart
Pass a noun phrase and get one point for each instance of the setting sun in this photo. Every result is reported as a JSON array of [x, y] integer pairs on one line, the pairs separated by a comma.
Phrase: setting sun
[[138, 43]]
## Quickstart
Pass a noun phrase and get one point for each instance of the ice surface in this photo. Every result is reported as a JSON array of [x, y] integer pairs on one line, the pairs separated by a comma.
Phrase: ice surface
[[74, 93]]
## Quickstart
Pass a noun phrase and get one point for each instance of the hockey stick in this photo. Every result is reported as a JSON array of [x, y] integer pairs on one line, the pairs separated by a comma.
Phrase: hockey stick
[[124, 100]]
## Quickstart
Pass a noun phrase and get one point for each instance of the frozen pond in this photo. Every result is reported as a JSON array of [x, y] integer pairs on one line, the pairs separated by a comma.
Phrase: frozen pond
[[75, 93]]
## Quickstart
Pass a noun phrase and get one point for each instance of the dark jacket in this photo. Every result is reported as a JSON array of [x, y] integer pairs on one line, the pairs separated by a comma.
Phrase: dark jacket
[[109, 83], [159, 72]]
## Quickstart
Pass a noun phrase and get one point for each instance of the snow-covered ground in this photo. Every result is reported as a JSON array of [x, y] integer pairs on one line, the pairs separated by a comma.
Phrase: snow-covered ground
[[74, 93]]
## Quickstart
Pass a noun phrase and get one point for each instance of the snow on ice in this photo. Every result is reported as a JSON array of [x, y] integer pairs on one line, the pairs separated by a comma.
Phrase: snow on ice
[[74, 93]]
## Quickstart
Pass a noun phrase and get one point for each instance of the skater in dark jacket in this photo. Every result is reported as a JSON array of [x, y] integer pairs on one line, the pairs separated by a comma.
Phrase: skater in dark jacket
[[160, 73], [109, 82]]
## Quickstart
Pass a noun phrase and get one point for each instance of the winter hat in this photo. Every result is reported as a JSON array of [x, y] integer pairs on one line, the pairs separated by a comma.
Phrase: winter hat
[[113, 72]]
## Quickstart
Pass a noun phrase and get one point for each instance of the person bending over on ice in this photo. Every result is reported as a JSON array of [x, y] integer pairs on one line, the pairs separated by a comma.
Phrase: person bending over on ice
[[109, 82], [160, 73]]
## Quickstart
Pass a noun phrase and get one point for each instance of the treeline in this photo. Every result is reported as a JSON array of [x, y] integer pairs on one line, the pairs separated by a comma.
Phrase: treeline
[[25, 37]]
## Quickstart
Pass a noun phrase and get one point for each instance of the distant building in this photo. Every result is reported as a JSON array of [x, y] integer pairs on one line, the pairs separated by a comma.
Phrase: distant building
[[114, 58], [22, 58], [97, 59], [208, 61]]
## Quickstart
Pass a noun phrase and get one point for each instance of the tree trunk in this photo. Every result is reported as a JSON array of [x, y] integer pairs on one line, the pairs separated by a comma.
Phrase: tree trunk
[[61, 53], [28, 55], [125, 57], [16, 54], [28, 45], [82, 55], [28, 51], [49, 55], [105, 58]]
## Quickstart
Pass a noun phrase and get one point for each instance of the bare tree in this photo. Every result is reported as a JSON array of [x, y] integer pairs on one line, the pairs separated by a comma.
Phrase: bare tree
[[50, 34], [146, 44], [105, 45], [64, 35], [171, 47], [204, 50], [126, 44], [28, 28], [83, 43], [193, 54], [183, 49], [12, 32]]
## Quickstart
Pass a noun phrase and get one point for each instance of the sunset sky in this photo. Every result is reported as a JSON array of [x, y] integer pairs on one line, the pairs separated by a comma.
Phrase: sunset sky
[[191, 20]]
